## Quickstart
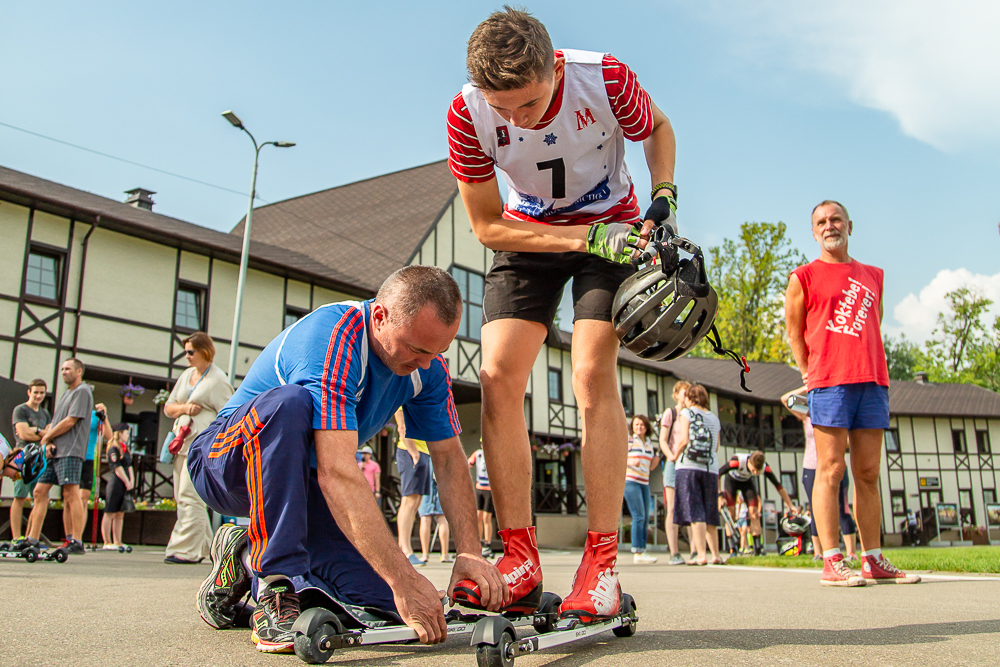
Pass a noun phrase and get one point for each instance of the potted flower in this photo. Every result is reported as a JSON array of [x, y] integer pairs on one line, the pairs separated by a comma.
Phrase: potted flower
[[161, 397], [129, 391]]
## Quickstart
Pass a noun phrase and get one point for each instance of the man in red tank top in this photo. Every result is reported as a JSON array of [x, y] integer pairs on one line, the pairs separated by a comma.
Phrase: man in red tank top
[[833, 311]]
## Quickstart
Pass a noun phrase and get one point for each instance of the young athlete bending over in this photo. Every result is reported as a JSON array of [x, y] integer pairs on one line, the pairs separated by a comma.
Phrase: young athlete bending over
[[282, 451], [738, 476], [554, 123]]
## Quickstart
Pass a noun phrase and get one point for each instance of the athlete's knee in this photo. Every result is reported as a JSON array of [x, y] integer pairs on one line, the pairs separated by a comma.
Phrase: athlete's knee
[[591, 378], [294, 400], [832, 472], [502, 386]]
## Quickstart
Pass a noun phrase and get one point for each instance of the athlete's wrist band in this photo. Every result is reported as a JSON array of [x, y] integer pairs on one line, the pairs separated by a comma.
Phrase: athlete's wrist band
[[665, 185]]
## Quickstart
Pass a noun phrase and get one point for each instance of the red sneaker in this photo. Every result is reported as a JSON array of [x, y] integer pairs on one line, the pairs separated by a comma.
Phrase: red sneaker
[[518, 566], [836, 572], [878, 570], [596, 595]]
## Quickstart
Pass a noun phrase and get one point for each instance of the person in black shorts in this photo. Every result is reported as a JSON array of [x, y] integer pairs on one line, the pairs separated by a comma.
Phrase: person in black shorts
[[738, 476], [119, 486]]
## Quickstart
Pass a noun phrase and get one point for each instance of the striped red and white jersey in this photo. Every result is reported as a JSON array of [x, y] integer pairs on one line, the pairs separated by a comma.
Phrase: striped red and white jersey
[[640, 457], [570, 168]]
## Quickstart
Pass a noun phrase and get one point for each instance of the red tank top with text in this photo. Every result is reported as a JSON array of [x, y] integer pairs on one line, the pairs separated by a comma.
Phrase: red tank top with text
[[842, 331]]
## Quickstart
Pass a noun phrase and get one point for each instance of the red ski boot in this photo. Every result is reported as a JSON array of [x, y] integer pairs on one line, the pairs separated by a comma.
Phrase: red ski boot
[[518, 566], [596, 595]]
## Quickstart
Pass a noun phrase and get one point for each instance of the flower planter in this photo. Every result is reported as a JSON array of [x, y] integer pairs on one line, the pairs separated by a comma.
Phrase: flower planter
[[150, 527]]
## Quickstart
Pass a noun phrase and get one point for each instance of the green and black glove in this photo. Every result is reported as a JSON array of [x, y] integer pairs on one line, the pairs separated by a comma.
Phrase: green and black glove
[[614, 241]]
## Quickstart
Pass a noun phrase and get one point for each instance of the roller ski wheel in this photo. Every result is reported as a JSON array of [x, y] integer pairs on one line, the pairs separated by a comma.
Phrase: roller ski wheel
[[630, 619], [315, 633], [499, 654], [59, 555], [30, 554], [4, 546], [547, 614]]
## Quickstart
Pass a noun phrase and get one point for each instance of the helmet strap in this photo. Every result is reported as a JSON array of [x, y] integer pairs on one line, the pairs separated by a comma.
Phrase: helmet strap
[[725, 352]]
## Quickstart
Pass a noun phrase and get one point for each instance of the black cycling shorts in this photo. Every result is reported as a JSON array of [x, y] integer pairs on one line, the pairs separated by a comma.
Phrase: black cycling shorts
[[528, 285], [484, 500], [733, 486]]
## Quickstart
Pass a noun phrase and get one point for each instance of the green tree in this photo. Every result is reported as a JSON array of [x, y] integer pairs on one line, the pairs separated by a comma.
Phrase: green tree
[[985, 358], [750, 274], [963, 348], [903, 356]]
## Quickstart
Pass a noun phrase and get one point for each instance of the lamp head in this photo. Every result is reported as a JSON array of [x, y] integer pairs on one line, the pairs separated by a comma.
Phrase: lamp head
[[284, 144], [233, 119]]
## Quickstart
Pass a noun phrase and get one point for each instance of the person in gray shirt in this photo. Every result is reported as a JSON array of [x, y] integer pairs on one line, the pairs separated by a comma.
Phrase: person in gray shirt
[[66, 442], [30, 420]]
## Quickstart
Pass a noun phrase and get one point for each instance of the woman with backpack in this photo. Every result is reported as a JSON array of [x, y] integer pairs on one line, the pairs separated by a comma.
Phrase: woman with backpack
[[668, 447], [697, 483]]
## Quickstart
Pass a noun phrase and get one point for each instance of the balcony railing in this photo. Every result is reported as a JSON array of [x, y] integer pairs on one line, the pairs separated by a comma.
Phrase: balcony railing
[[745, 436]]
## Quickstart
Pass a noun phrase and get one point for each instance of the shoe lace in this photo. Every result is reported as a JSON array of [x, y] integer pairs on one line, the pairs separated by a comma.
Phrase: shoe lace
[[286, 609], [884, 563], [843, 569]]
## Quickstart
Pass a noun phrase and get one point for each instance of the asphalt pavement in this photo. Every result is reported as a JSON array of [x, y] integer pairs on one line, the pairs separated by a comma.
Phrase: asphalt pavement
[[108, 609]]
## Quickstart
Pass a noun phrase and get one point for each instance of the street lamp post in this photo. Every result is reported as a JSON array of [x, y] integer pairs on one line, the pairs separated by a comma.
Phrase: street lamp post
[[245, 254]]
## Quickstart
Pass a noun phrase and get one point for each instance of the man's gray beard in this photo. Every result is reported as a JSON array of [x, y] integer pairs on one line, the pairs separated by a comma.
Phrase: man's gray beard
[[834, 243]]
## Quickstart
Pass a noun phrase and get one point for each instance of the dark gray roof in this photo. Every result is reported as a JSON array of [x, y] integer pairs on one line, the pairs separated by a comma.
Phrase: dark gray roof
[[366, 229], [954, 400], [27, 190]]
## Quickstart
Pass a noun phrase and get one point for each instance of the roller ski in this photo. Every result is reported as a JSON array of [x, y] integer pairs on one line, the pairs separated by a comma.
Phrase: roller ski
[[33, 552], [326, 624], [595, 605]]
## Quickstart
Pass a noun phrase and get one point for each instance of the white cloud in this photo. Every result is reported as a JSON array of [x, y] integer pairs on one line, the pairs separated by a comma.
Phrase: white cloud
[[934, 66], [917, 314]]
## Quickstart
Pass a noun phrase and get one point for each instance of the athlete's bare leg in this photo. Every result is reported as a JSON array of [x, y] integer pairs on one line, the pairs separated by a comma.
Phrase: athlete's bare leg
[[831, 444], [509, 350], [712, 535], [672, 532], [408, 506], [753, 513], [16, 514], [850, 541], [605, 432], [866, 457], [487, 526]]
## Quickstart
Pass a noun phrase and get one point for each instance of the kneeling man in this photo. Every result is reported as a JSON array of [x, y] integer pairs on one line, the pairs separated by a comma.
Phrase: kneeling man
[[282, 452]]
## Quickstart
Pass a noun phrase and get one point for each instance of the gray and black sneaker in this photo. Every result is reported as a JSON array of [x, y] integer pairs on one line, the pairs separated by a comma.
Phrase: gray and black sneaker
[[76, 547], [228, 582], [276, 613]]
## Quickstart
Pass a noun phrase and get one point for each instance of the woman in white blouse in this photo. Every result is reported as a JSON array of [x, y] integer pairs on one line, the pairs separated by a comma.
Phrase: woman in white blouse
[[201, 391]]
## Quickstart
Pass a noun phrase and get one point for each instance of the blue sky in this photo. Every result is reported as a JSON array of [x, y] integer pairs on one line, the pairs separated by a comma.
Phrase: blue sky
[[776, 105]]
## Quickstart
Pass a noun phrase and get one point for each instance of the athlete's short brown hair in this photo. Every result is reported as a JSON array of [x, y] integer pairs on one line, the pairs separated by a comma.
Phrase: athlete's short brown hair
[[757, 460], [509, 50]]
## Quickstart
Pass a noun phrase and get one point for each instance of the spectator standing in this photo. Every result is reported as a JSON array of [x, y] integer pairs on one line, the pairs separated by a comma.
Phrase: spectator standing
[[668, 448], [641, 457], [100, 432], [119, 486], [413, 461], [484, 501], [430, 511], [372, 472], [30, 420], [66, 441], [912, 527], [697, 482], [833, 310], [847, 525], [200, 392]]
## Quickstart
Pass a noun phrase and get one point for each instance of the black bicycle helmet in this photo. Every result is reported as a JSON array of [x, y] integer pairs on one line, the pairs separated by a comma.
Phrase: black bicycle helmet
[[665, 309], [34, 462], [661, 316]]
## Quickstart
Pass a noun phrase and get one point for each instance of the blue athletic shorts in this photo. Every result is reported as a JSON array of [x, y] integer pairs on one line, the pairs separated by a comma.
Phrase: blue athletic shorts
[[850, 406], [414, 480]]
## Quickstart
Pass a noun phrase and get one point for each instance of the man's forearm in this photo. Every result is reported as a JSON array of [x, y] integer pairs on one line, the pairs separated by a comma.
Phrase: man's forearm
[[519, 236], [26, 433], [800, 352], [60, 428], [458, 499], [660, 149]]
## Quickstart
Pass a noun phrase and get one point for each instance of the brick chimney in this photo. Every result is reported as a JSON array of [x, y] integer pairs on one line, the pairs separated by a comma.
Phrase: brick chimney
[[140, 198]]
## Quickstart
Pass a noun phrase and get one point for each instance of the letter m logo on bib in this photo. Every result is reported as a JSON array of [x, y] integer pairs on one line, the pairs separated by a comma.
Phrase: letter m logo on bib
[[584, 118]]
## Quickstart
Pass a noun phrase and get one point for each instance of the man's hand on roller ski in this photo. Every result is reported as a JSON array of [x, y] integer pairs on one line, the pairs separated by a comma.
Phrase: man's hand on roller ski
[[493, 590], [419, 605]]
